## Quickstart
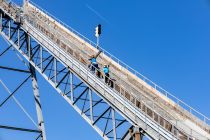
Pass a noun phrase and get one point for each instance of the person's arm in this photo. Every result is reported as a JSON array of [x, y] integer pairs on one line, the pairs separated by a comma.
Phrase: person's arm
[[98, 53]]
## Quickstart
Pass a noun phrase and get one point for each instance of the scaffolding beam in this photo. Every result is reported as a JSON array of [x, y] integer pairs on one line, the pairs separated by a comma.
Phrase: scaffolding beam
[[19, 129]]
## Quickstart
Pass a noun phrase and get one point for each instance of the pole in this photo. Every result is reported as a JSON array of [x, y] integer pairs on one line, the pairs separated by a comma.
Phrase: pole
[[97, 34], [38, 102], [36, 92], [97, 44], [114, 124]]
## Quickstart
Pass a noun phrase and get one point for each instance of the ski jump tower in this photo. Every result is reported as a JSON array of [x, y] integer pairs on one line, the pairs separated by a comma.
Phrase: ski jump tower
[[60, 55]]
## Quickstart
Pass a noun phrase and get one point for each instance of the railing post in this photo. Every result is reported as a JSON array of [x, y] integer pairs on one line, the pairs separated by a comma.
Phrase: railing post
[[9, 29], [91, 105], [41, 58], [71, 84], [29, 46], [1, 22], [55, 70]]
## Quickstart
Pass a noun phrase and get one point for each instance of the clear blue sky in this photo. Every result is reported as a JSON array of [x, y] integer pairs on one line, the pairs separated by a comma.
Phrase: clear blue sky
[[166, 40]]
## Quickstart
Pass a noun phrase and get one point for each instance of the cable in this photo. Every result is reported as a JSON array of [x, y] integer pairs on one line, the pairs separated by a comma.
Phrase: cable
[[19, 104]]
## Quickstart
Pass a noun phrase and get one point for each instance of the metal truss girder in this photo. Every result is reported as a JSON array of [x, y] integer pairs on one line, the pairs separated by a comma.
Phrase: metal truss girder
[[62, 79], [94, 105], [57, 88], [106, 122], [78, 85], [4, 25], [104, 96], [116, 126], [14, 69], [14, 30], [48, 64], [19, 129], [35, 52], [102, 115], [80, 96]]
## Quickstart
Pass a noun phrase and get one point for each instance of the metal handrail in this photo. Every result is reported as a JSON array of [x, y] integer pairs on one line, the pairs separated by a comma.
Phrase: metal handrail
[[12, 4], [9, 1], [187, 107]]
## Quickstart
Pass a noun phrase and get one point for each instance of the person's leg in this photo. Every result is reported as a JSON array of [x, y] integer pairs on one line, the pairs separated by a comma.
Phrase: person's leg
[[96, 68], [96, 65], [98, 73], [93, 67], [107, 78], [111, 83]]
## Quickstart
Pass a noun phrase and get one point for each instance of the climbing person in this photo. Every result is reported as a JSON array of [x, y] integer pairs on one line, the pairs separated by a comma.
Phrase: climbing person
[[111, 82], [98, 72], [94, 65], [106, 73]]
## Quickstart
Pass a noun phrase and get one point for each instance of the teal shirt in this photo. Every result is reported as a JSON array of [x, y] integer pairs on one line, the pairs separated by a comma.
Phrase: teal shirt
[[93, 61], [106, 70]]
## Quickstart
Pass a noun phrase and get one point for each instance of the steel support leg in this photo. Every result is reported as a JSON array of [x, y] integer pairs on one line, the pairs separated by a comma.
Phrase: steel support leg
[[36, 92], [134, 133], [137, 134], [114, 125], [37, 102]]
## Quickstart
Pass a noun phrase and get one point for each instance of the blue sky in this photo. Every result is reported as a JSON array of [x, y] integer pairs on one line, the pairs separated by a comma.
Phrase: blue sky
[[167, 41]]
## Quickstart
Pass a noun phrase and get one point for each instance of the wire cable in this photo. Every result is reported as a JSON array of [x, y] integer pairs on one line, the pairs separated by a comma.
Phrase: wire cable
[[19, 104]]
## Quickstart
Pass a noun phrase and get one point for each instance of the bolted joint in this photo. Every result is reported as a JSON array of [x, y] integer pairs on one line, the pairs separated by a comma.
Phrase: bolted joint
[[41, 123]]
